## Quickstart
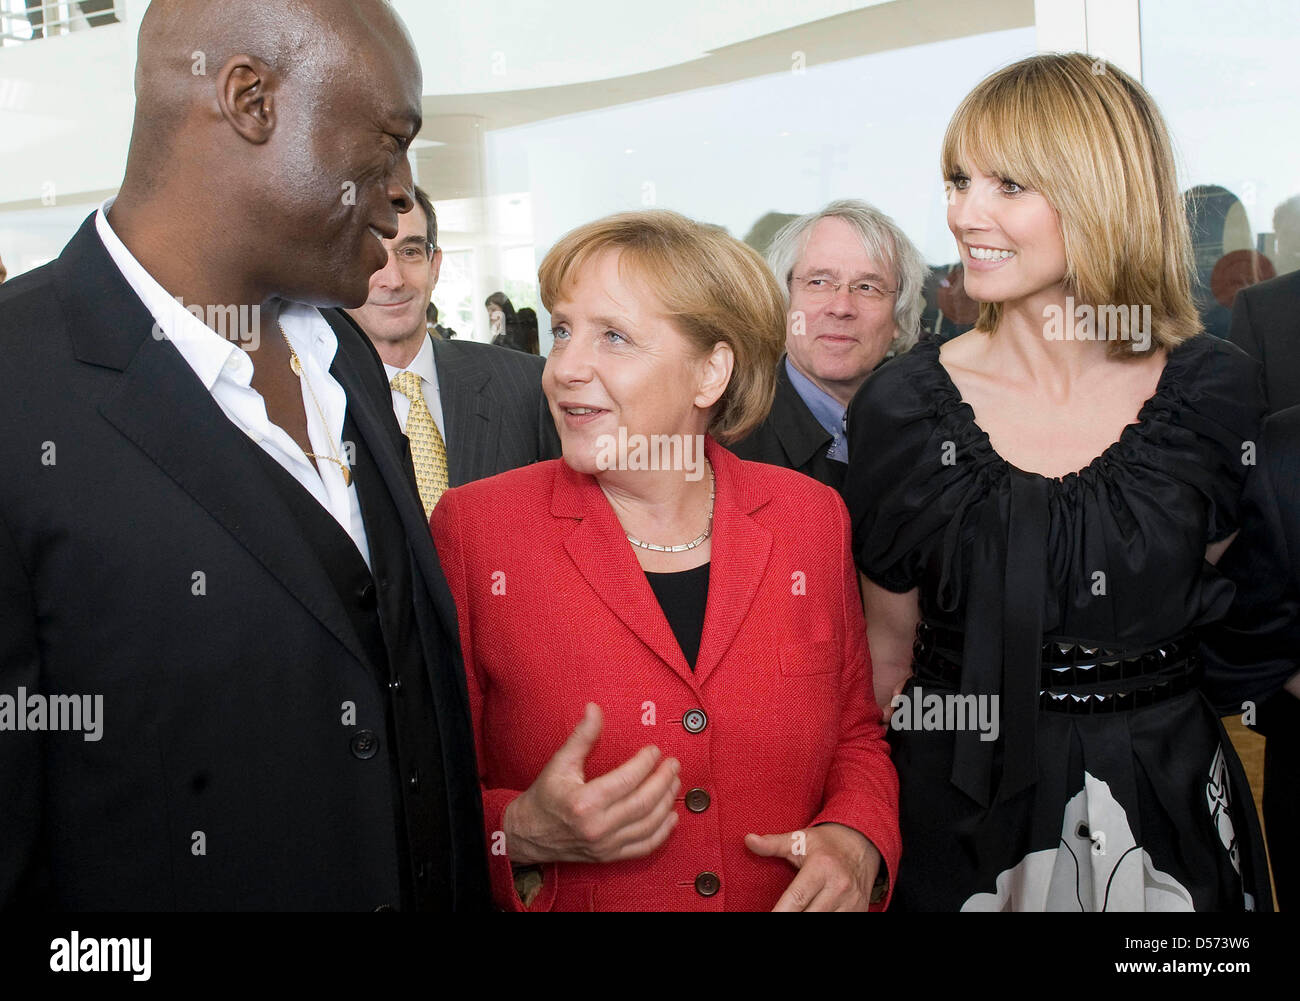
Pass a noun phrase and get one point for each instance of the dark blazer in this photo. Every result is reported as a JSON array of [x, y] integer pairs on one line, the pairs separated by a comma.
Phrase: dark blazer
[[1266, 325], [246, 759], [1252, 653], [791, 436], [493, 408]]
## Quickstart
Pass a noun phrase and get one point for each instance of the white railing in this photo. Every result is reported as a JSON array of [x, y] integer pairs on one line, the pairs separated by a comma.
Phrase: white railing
[[28, 20]]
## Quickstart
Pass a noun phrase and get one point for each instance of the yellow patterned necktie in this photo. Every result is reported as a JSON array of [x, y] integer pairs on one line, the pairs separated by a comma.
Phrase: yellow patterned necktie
[[428, 450]]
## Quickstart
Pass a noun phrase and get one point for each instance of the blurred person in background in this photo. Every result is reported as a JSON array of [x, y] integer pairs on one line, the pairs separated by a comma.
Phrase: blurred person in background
[[529, 332], [501, 319], [435, 328], [470, 410], [852, 282], [1223, 247], [1263, 627], [1286, 236], [1253, 654]]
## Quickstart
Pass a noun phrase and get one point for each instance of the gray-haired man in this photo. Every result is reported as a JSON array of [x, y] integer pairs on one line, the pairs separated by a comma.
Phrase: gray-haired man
[[853, 283]]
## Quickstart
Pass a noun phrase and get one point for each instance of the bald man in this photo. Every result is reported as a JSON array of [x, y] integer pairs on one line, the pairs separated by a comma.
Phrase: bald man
[[229, 668]]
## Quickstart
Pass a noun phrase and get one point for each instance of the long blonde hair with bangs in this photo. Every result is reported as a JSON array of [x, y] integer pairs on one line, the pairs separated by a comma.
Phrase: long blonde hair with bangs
[[1086, 136]]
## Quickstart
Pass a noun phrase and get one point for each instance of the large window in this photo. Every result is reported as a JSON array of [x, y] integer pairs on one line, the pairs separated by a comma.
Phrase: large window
[[1224, 76], [744, 155], [31, 20], [538, 119]]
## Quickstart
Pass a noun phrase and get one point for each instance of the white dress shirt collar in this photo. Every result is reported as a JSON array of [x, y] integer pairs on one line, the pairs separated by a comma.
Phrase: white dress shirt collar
[[422, 365], [206, 351], [226, 372]]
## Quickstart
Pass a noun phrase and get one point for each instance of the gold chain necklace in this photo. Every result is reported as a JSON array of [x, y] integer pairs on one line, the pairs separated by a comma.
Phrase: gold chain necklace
[[301, 372], [698, 540]]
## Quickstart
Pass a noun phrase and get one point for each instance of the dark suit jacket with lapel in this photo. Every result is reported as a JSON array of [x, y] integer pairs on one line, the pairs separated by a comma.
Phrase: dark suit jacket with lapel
[[1263, 620], [1252, 653], [1266, 325], [493, 409], [792, 437], [146, 558]]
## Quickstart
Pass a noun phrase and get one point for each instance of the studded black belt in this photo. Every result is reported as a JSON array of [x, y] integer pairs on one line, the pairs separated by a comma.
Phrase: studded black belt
[[1076, 677]]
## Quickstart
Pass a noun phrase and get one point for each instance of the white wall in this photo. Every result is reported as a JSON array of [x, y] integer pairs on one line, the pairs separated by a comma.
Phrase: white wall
[[66, 105], [867, 128], [66, 102], [474, 48]]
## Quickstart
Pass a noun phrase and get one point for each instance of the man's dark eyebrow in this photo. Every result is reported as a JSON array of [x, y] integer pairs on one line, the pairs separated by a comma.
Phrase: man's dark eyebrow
[[414, 240], [401, 125], [412, 120]]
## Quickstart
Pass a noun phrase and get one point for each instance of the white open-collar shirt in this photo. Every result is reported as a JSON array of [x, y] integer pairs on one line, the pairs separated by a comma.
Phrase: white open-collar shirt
[[226, 372]]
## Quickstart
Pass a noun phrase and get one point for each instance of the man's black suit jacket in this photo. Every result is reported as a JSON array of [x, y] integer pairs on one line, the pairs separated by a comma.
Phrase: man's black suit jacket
[[1254, 651], [792, 437], [1266, 325], [144, 557], [493, 409]]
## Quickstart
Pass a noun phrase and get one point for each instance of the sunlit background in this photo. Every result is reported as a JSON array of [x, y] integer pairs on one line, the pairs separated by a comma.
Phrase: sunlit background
[[539, 117]]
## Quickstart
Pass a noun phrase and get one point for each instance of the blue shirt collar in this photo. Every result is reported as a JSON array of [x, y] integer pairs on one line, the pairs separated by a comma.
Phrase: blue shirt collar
[[824, 407]]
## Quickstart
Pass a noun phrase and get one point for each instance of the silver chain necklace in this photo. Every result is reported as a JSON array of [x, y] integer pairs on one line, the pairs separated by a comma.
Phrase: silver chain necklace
[[695, 542]]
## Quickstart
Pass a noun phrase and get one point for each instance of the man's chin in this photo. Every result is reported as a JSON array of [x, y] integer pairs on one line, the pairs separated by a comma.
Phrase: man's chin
[[356, 295], [839, 370], [337, 295], [387, 329]]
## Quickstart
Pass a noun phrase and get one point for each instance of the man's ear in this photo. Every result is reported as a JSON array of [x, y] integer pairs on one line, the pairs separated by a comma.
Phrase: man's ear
[[435, 266], [246, 91]]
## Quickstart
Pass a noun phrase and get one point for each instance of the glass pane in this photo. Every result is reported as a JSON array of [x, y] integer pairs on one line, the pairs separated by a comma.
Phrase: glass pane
[[753, 143], [1224, 76]]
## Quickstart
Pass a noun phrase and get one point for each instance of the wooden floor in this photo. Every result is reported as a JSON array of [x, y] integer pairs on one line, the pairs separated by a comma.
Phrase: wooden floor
[[1250, 746]]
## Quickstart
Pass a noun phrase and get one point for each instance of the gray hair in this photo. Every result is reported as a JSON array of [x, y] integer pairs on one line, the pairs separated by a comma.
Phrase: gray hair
[[882, 239]]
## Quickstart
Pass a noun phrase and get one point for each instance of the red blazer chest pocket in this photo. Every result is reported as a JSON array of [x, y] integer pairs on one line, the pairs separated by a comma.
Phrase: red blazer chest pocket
[[820, 657]]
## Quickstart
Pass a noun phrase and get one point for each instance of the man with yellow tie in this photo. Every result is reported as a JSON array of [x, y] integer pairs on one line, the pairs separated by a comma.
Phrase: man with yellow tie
[[471, 410]]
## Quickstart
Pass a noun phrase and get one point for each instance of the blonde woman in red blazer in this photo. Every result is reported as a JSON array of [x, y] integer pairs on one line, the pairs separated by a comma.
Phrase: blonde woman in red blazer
[[667, 666]]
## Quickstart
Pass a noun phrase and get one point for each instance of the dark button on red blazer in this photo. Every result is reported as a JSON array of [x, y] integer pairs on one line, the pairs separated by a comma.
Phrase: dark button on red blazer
[[555, 611]]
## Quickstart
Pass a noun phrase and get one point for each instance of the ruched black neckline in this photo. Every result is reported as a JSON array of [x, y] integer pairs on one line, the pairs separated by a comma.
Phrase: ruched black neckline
[[1110, 555]]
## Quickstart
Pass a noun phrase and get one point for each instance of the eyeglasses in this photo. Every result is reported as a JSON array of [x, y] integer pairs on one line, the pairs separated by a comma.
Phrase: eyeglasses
[[411, 253], [820, 289]]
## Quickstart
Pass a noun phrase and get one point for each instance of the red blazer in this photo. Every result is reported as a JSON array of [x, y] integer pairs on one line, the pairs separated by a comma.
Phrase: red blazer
[[555, 611]]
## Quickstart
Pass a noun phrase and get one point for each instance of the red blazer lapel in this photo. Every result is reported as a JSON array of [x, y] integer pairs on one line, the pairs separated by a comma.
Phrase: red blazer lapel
[[740, 551], [739, 555], [600, 550]]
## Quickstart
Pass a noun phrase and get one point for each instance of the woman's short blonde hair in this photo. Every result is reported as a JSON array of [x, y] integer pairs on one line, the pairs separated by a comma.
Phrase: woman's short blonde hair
[[713, 288], [1086, 136]]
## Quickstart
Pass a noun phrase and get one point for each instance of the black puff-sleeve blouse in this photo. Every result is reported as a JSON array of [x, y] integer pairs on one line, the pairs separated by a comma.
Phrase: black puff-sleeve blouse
[[1112, 555]]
